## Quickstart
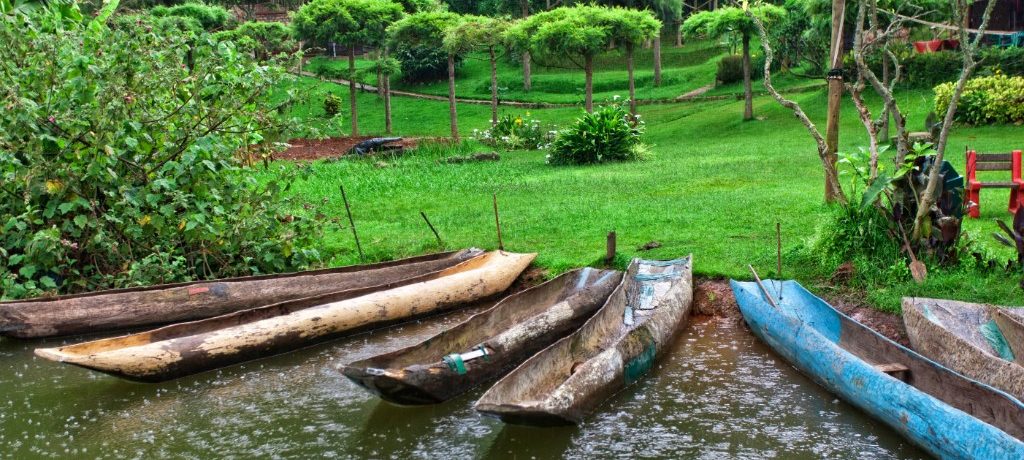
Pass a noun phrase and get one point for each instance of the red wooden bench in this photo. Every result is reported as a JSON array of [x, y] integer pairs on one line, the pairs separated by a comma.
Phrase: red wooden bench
[[993, 162]]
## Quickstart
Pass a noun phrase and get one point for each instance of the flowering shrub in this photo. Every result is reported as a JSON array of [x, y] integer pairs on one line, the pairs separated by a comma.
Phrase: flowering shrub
[[516, 133], [608, 134], [986, 100]]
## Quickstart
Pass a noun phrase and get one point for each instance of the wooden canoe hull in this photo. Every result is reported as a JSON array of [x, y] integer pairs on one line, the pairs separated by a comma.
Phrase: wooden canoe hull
[[511, 331], [198, 346], [129, 308], [945, 413], [1011, 323], [565, 382], [949, 332]]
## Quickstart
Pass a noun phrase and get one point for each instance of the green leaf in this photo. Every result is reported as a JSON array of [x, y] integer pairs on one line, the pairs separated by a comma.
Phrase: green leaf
[[48, 282], [81, 221], [28, 271]]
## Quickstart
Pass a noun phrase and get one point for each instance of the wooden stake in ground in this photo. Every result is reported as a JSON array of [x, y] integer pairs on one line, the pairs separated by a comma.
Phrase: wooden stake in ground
[[351, 222], [835, 95], [497, 222], [778, 250], [439, 242], [609, 255]]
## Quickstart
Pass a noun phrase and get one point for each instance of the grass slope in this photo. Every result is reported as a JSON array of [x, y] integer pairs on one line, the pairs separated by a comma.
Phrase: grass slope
[[715, 187]]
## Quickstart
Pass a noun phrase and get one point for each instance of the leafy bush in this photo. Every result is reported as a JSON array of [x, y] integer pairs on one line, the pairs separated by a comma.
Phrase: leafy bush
[[926, 70], [572, 84], [263, 39], [332, 105], [730, 68], [516, 133], [423, 63], [118, 167], [605, 135], [210, 17], [1008, 61], [986, 100]]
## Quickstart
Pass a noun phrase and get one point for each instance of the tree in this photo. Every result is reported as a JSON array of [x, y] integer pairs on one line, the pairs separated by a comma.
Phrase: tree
[[351, 23], [480, 32], [572, 33], [429, 29], [630, 28], [732, 20]]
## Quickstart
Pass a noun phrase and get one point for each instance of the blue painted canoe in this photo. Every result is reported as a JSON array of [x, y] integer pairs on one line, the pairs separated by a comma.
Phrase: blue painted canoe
[[945, 413]]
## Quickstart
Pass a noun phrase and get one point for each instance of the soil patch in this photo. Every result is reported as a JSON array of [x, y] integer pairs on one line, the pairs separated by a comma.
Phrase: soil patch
[[332, 147]]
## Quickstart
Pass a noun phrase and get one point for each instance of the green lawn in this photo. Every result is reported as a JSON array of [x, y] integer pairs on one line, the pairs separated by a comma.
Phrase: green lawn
[[715, 187]]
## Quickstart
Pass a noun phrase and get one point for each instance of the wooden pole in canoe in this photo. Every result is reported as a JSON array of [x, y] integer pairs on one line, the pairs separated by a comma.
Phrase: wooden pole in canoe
[[763, 290], [352, 223], [609, 254], [497, 222], [778, 250], [439, 242]]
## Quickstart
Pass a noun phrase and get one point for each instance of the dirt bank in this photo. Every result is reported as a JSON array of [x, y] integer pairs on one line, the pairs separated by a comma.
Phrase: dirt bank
[[332, 147]]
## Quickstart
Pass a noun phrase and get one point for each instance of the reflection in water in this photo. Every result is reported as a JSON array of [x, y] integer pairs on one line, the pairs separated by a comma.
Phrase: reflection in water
[[718, 393]]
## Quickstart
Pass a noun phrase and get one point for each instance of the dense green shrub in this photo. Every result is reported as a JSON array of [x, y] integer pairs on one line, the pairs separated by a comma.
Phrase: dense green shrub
[[263, 39], [332, 105], [925, 70], [574, 84], [1008, 61], [423, 63], [516, 133], [211, 17], [605, 135], [730, 68], [118, 167], [986, 100]]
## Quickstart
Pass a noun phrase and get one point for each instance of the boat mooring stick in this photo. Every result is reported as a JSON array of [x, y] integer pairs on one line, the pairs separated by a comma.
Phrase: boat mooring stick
[[609, 254], [351, 222], [763, 290], [778, 245], [439, 242], [497, 222]]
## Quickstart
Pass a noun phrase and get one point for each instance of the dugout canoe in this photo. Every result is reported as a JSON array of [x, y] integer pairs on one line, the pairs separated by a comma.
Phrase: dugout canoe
[[169, 303], [615, 348], [1011, 324], [945, 413], [966, 338], [188, 348], [487, 345]]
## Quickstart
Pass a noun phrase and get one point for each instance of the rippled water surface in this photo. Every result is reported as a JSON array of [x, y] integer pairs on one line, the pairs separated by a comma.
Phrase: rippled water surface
[[718, 393]]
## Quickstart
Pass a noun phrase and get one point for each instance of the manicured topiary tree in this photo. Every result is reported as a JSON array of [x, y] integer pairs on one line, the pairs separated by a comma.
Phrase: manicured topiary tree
[[629, 29], [476, 32], [732, 20], [567, 33], [429, 29], [351, 23]]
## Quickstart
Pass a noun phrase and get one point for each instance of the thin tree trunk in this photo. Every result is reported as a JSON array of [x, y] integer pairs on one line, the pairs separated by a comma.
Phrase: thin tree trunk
[[527, 77], [679, 33], [451, 98], [748, 90], [387, 103], [494, 87], [884, 131], [657, 60], [588, 69], [835, 96], [632, 84], [352, 89]]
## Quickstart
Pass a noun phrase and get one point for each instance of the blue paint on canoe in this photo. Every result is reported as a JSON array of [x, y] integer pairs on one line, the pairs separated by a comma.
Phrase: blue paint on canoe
[[806, 331]]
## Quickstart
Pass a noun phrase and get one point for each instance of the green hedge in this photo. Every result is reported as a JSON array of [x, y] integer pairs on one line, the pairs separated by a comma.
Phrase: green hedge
[[929, 69], [986, 100], [730, 68]]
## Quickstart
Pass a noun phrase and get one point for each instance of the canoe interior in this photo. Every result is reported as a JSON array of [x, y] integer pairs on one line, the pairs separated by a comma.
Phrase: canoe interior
[[194, 328], [1011, 323], [418, 375], [150, 306], [522, 396], [979, 400]]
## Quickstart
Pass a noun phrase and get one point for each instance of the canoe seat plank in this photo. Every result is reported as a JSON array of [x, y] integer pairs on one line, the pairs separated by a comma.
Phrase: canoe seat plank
[[892, 368]]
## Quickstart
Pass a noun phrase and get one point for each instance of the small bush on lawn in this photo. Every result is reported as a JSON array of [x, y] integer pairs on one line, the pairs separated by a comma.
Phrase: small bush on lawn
[[332, 105], [605, 135], [516, 133], [422, 63], [986, 100], [730, 69]]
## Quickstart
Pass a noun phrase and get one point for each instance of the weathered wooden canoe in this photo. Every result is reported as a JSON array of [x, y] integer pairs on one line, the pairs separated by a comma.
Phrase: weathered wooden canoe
[[566, 381], [487, 345], [966, 338], [197, 346], [127, 308], [945, 413], [1011, 324]]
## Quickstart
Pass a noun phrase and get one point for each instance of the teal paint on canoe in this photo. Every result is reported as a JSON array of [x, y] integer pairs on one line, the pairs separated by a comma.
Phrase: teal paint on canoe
[[807, 332]]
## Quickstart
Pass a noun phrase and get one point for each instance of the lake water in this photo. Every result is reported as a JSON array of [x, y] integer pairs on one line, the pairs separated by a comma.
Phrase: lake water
[[719, 393]]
